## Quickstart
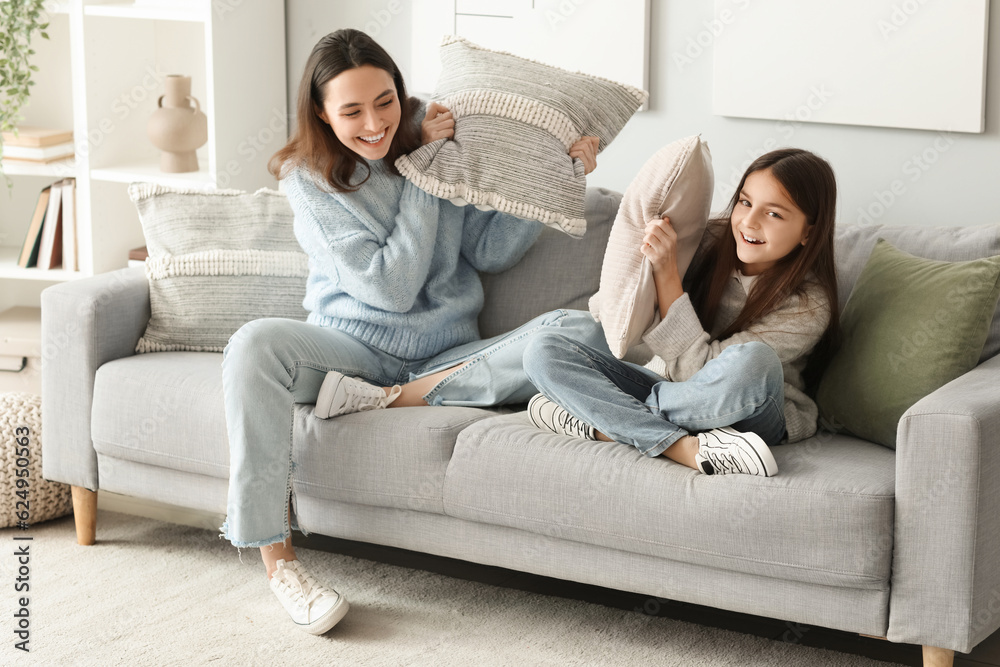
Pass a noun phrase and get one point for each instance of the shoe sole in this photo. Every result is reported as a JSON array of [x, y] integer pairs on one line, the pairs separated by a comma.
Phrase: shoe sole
[[330, 619], [759, 447], [325, 397]]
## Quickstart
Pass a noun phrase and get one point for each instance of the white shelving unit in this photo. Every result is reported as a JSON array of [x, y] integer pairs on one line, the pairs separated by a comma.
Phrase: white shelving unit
[[101, 74]]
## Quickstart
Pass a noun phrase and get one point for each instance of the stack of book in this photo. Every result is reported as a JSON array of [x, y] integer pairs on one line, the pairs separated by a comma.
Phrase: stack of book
[[51, 239], [38, 144]]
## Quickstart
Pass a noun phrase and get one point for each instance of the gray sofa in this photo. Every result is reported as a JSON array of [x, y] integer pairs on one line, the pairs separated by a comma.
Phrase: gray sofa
[[850, 535]]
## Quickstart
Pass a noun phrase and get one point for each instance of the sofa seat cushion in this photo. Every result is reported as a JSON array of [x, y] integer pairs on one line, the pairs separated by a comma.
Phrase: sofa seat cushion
[[826, 518], [166, 409], [163, 409], [386, 458]]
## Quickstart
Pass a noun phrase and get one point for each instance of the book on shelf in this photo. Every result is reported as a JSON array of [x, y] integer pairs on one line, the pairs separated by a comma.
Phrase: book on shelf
[[41, 154], [70, 259], [38, 144], [29, 249], [50, 247], [37, 137]]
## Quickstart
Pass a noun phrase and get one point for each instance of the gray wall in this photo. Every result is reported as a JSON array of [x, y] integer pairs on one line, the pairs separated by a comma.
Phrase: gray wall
[[885, 175]]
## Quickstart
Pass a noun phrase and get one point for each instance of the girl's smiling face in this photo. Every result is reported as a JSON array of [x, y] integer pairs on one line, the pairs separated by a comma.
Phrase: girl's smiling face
[[766, 224], [362, 108]]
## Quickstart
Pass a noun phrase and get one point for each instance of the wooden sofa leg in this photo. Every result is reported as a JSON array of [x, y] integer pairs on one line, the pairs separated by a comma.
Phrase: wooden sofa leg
[[85, 515], [938, 657]]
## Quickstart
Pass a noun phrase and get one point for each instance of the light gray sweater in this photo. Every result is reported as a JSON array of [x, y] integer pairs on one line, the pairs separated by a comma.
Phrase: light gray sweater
[[678, 346]]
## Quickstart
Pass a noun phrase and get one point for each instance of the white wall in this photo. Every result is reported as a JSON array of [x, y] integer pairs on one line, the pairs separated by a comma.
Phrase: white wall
[[885, 175]]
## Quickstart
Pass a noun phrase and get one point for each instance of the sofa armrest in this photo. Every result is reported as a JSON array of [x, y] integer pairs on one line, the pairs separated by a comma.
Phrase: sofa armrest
[[85, 323], [945, 588]]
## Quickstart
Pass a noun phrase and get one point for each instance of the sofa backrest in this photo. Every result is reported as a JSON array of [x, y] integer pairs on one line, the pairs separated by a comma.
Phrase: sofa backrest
[[558, 271], [854, 243]]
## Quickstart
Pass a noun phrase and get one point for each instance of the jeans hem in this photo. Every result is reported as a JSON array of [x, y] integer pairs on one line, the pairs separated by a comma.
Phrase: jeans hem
[[242, 544], [663, 445]]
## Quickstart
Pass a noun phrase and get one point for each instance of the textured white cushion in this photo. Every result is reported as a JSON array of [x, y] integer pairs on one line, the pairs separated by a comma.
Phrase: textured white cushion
[[216, 261], [676, 182], [515, 120]]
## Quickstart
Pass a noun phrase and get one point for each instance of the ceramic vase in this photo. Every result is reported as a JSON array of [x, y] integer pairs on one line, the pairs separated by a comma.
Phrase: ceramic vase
[[178, 126]]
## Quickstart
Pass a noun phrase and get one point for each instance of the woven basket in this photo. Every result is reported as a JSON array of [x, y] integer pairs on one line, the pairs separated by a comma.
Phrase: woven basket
[[46, 500]]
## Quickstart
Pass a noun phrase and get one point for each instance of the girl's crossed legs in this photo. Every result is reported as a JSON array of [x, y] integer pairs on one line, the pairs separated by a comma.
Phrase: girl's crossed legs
[[742, 388]]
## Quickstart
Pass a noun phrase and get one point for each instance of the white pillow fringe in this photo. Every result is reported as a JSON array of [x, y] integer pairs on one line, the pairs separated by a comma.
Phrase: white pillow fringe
[[139, 191], [514, 107], [228, 263], [575, 227]]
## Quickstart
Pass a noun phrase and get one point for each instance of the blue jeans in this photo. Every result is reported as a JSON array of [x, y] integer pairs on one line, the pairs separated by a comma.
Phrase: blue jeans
[[743, 387], [271, 364]]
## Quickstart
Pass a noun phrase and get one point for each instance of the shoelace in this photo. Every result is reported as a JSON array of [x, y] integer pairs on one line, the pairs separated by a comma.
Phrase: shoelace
[[300, 586], [724, 462], [360, 396], [571, 423]]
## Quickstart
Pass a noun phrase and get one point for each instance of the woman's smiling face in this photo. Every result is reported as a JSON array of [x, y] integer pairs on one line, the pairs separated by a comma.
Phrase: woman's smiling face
[[767, 225], [362, 108]]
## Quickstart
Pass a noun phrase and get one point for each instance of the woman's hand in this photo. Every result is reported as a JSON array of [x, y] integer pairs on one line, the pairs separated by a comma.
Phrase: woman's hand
[[586, 150], [659, 246], [438, 123]]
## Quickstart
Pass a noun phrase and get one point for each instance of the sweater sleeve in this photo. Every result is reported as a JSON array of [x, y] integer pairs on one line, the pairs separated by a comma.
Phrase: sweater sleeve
[[792, 331], [382, 269], [493, 241]]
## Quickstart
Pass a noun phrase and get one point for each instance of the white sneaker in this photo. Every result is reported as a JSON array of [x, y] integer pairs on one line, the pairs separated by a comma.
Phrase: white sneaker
[[312, 606], [722, 451], [342, 395], [549, 416]]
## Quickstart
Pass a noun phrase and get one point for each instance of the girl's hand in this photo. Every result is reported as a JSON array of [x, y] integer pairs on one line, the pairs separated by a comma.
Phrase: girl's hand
[[586, 150], [659, 245], [438, 123]]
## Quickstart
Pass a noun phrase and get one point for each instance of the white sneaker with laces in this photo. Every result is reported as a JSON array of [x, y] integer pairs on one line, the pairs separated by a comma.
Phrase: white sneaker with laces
[[723, 451], [312, 606], [342, 395], [549, 416]]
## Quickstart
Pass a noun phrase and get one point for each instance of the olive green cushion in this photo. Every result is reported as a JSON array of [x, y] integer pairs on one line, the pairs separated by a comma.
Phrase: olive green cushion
[[910, 326]]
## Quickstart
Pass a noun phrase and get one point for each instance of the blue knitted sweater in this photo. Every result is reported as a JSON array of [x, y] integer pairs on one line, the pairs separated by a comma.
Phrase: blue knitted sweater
[[396, 267]]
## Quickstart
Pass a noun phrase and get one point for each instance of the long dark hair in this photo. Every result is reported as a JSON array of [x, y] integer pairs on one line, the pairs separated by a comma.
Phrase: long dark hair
[[313, 144], [810, 183]]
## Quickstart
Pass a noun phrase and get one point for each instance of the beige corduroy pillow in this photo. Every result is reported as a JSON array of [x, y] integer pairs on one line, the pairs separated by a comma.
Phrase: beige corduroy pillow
[[676, 182]]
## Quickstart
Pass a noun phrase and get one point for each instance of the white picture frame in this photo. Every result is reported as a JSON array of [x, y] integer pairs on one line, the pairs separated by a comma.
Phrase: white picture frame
[[885, 63], [604, 39]]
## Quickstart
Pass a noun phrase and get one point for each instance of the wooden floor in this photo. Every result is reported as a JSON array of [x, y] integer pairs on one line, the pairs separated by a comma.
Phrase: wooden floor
[[987, 653]]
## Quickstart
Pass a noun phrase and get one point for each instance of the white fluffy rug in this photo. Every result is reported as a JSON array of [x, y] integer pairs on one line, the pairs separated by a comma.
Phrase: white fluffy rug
[[153, 593]]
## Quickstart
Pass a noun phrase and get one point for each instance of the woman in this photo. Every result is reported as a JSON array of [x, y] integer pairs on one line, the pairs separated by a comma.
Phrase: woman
[[393, 293]]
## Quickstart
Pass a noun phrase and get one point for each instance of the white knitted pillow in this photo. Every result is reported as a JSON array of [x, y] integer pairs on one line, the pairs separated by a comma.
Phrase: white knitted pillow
[[676, 182], [217, 260], [515, 120]]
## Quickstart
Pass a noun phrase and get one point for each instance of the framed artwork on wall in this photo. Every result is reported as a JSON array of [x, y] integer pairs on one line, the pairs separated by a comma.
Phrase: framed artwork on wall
[[604, 39], [886, 63]]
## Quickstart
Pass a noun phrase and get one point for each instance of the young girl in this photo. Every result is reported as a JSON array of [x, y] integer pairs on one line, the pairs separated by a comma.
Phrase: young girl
[[726, 381], [393, 292]]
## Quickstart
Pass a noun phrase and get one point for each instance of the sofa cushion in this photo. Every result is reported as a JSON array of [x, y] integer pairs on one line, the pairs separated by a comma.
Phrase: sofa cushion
[[911, 326], [515, 121], [387, 458], [563, 271], [826, 518], [164, 409], [854, 244]]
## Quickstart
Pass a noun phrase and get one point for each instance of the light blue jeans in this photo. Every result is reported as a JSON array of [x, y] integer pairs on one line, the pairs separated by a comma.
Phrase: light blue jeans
[[271, 364], [743, 387]]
